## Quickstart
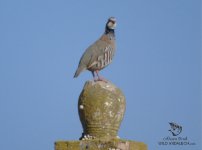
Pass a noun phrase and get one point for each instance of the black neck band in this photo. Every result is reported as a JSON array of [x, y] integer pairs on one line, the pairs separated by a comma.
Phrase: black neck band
[[108, 30]]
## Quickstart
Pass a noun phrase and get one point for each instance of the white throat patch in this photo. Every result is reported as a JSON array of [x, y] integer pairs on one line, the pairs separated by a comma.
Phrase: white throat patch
[[111, 25]]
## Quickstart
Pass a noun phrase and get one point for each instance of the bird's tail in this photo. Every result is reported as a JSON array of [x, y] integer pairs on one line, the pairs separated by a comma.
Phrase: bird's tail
[[79, 70]]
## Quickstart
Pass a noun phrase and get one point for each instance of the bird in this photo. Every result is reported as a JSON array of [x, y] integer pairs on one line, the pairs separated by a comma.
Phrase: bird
[[100, 54]]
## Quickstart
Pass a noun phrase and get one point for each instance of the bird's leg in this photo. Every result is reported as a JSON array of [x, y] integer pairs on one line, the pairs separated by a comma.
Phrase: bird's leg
[[100, 78], [94, 78]]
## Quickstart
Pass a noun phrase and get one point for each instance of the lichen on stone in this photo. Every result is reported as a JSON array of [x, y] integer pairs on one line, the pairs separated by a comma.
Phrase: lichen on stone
[[104, 109]]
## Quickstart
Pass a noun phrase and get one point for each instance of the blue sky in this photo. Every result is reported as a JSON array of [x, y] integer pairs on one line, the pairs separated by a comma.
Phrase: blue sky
[[157, 65]]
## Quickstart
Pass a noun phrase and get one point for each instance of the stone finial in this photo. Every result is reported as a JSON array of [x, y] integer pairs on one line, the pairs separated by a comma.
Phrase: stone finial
[[101, 109]]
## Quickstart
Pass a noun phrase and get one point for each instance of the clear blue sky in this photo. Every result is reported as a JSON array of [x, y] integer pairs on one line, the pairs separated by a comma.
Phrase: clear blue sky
[[157, 65]]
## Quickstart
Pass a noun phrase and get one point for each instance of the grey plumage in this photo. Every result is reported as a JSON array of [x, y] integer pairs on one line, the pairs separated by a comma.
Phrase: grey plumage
[[99, 54]]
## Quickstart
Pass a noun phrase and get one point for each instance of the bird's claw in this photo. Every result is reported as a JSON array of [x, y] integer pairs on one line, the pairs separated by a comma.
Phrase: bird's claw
[[100, 79]]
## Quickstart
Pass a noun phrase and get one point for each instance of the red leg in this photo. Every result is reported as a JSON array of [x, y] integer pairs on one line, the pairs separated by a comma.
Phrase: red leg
[[94, 78], [100, 78]]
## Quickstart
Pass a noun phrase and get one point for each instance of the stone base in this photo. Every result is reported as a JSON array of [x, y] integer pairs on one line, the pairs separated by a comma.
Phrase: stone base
[[114, 144]]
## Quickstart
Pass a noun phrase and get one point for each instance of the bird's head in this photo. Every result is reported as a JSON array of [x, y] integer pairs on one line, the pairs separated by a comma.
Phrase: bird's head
[[111, 23]]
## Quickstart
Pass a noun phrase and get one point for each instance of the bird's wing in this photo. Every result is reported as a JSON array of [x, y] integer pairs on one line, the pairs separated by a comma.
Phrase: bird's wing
[[87, 56], [98, 49]]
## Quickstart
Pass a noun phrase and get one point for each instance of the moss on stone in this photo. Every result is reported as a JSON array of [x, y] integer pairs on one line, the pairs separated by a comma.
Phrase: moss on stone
[[101, 109], [117, 144]]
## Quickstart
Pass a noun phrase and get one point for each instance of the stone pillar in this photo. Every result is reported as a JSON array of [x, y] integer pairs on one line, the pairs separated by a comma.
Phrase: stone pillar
[[101, 108]]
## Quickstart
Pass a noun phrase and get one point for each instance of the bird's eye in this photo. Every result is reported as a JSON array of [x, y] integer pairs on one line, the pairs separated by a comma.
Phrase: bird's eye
[[112, 21]]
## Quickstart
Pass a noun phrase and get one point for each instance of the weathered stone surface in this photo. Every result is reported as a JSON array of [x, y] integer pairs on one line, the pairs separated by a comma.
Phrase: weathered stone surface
[[101, 109], [113, 144]]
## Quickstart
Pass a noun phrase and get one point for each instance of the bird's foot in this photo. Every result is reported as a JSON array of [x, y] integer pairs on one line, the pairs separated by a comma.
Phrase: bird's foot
[[100, 79]]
